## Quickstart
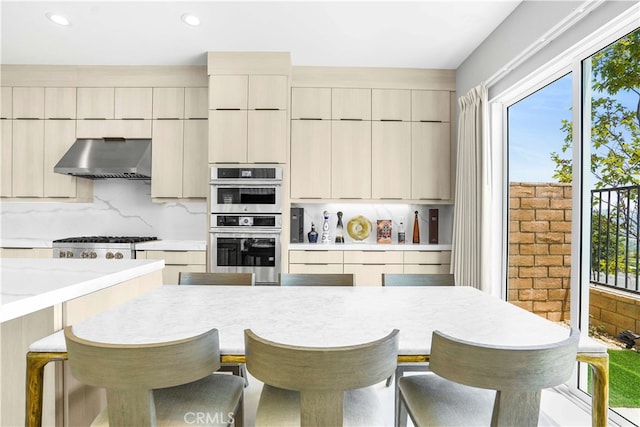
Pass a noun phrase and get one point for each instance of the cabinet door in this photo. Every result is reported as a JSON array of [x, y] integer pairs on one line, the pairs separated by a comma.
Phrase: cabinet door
[[166, 161], [391, 104], [371, 274], [268, 92], [391, 160], [133, 103], [227, 136], [310, 159], [311, 103], [351, 159], [430, 106], [28, 102], [6, 103], [95, 102], [430, 161], [228, 92], [113, 128], [6, 149], [168, 103], [59, 135], [195, 177], [196, 103], [351, 104], [28, 158], [267, 137], [60, 103]]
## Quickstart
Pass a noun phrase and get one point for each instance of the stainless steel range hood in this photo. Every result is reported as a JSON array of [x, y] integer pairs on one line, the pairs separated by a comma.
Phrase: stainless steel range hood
[[107, 158]]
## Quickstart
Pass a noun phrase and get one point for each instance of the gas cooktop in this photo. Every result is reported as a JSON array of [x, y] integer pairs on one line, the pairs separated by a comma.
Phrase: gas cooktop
[[106, 239]]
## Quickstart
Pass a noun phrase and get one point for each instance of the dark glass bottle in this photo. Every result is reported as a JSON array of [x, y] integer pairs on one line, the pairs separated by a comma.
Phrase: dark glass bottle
[[416, 229], [339, 229], [313, 234]]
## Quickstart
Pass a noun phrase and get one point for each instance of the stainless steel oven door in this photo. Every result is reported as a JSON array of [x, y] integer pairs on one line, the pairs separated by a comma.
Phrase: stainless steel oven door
[[246, 251], [243, 197]]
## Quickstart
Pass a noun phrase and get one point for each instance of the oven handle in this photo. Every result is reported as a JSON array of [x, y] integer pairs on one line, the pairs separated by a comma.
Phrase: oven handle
[[241, 231], [234, 184]]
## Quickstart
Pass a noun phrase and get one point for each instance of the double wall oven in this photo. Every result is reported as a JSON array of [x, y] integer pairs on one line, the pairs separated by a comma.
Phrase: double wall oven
[[246, 221]]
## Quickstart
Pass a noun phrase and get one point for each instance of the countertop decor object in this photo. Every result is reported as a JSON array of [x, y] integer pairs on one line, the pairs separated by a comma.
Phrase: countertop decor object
[[359, 228], [384, 231]]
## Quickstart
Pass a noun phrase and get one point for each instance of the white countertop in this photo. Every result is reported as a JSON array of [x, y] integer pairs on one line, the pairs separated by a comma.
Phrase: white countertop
[[25, 243], [367, 247], [32, 284], [172, 245]]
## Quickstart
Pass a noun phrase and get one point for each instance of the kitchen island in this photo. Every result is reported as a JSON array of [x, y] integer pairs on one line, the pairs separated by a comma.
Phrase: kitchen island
[[41, 296]]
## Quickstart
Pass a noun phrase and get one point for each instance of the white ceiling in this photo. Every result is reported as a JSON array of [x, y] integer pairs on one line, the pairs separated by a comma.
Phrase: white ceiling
[[419, 34]]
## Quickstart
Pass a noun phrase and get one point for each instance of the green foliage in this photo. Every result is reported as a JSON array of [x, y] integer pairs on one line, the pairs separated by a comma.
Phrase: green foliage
[[615, 130]]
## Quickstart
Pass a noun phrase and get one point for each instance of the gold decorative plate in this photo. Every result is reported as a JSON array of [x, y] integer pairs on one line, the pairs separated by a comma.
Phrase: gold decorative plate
[[359, 228]]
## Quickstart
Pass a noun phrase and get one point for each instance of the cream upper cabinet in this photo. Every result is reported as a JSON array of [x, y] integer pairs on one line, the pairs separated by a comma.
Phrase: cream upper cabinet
[[351, 159], [431, 161], [6, 103], [350, 104], [267, 137], [390, 160], [59, 135], [6, 150], [168, 103], [430, 106], [228, 92], [95, 102], [166, 161], [60, 103], [28, 158], [227, 136], [28, 102], [310, 157], [133, 103], [113, 128], [268, 93], [196, 103], [311, 103], [195, 174], [391, 104]]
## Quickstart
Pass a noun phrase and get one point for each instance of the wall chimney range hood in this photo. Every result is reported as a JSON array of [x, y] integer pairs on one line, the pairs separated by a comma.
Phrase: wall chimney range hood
[[98, 158]]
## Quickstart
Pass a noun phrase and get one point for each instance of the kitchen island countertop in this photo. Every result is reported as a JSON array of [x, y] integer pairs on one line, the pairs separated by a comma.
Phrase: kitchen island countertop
[[32, 284]]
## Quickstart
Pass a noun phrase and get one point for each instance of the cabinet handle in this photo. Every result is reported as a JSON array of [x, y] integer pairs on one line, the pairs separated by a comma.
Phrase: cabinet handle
[[27, 118], [227, 109], [167, 118], [59, 118], [266, 109], [390, 198], [390, 120], [431, 121], [352, 120], [94, 118], [197, 118], [309, 118], [132, 118]]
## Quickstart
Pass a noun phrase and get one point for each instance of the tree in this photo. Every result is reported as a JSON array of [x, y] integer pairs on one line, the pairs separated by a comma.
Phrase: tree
[[615, 130]]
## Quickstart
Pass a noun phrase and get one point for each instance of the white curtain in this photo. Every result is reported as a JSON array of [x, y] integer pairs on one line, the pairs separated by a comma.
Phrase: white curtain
[[473, 193]]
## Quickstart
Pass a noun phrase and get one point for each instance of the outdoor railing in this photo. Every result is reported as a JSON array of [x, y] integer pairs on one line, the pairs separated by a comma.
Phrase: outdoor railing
[[615, 246]]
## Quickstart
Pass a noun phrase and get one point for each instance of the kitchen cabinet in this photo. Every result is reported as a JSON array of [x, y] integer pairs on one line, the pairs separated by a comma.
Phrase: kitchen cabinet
[[167, 159], [248, 119], [267, 137], [95, 102], [430, 106], [113, 128], [175, 262], [26, 253], [28, 158], [430, 161], [6, 151], [351, 159], [350, 104], [133, 103], [310, 103], [391, 105], [28, 102], [195, 169], [390, 160], [427, 262], [59, 135], [60, 103], [315, 262], [310, 154], [168, 103], [368, 266], [6, 102], [195, 103]]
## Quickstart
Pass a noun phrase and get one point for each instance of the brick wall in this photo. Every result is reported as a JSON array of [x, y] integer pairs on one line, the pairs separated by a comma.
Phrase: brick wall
[[540, 261], [540, 248]]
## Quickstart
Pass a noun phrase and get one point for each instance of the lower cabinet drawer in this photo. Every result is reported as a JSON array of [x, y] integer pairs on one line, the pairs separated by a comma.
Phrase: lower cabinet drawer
[[373, 257], [427, 257], [427, 268], [315, 268], [315, 257]]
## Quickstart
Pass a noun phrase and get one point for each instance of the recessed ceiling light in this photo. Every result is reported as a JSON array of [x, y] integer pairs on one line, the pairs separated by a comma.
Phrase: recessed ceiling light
[[58, 19], [190, 19]]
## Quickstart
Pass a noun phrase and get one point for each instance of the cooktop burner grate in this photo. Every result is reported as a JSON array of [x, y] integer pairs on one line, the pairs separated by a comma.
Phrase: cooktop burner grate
[[106, 239]]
